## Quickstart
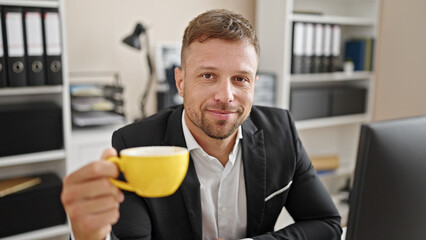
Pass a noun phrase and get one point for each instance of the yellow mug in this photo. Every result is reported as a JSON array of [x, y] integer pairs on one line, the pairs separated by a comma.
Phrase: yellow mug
[[155, 171]]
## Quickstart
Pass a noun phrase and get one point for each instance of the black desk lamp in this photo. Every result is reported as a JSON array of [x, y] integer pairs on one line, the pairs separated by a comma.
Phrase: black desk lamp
[[134, 41]]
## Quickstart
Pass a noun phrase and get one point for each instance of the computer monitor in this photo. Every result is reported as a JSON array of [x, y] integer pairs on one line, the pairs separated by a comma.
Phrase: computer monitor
[[388, 199]]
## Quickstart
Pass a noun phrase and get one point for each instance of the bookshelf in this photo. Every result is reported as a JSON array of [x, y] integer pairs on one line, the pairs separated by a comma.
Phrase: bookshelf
[[45, 161], [335, 135]]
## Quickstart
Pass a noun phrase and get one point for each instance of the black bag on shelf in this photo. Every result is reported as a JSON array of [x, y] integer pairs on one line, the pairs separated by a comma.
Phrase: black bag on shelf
[[34, 208], [30, 127]]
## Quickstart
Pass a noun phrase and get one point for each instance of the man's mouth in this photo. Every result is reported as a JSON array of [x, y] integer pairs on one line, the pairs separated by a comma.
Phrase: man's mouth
[[221, 114]]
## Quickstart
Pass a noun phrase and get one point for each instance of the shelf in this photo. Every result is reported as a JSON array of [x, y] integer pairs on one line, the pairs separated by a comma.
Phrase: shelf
[[343, 170], [31, 3], [341, 20], [330, 77], [35, 90], [331, 121], [32, 158], [42, 233]]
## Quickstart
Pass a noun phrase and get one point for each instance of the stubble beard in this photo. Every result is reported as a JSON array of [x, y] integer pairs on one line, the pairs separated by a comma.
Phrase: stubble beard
[[216, 129]]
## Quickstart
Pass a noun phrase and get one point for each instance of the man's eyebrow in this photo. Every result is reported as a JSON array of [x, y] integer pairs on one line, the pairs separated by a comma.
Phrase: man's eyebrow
[[244, 72], [206, 68]]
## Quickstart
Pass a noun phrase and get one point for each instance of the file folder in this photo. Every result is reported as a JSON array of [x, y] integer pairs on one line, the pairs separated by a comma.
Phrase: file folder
[[53, 46], [325, 65], [15, 48], [3, 79], [309, 48], [318, 47], [34, 46], [335, 48], [298, 41]]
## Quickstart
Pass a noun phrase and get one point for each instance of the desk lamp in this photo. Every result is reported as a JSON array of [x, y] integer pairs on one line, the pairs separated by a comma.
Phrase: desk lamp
[[134, 41]]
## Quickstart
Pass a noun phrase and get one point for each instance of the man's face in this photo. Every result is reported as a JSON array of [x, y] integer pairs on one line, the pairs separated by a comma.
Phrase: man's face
[[217, 84]]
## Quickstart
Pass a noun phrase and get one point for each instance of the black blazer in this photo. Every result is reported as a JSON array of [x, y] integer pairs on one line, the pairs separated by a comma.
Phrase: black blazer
[[273, 158]]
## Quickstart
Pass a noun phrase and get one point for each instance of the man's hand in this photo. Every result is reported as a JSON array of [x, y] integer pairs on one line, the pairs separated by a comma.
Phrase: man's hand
[[90, 200]]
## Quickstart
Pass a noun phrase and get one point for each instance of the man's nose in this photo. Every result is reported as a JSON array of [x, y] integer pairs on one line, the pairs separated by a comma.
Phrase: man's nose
[[224, 91]]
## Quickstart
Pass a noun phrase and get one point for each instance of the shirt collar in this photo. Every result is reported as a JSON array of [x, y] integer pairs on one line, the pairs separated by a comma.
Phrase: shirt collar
[[192, 144]]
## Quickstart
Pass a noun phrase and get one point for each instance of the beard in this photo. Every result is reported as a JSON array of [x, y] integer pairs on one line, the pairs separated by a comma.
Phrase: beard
[[216, 129]]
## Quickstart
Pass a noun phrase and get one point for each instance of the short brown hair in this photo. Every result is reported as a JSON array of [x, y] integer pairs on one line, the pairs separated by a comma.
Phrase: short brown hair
[[221, 24]]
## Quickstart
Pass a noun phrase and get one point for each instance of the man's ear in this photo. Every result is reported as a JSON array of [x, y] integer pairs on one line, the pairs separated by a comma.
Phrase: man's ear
[[179, 80]]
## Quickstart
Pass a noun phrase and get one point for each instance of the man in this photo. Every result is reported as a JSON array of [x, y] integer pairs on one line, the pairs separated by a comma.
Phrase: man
[[247, 162]]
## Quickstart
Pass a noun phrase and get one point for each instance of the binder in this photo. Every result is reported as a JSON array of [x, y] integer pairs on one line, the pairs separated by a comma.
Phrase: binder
[[298, 42], [52, 45], [335, 49], [3, 78], [355, 50], [368, 63], [15, 49], [318, 47], [34, 46], [325, 63], [309, 48]]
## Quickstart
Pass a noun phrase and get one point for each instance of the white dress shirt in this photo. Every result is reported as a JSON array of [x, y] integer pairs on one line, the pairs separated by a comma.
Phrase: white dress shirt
[[222, 190]]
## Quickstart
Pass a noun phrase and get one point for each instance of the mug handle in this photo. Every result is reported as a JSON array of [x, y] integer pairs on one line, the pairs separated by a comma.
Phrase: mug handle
[[120, 184]]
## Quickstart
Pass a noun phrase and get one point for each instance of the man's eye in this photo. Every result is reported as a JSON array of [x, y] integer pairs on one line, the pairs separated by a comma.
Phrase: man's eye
[[241, 79], [207, 75]]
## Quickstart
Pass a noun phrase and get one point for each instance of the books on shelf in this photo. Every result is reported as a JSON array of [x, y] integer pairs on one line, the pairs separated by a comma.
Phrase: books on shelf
[[13, 185], [325, 163], [360, 52]]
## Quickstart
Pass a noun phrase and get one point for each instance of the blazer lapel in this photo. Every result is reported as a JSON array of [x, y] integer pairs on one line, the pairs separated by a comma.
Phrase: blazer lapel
[[190, 187], [254, 160]]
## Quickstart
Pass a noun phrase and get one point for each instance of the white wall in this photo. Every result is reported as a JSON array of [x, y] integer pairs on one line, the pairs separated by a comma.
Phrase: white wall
[[401, 60], [95, 28]]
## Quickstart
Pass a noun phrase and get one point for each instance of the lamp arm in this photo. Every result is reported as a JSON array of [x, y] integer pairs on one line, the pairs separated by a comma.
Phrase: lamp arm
[[150, 80]]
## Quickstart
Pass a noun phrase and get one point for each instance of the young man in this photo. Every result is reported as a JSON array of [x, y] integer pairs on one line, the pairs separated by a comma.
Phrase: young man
[[247, 162]]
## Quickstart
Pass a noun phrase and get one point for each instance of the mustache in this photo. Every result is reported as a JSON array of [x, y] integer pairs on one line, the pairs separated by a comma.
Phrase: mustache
[[224, 107]]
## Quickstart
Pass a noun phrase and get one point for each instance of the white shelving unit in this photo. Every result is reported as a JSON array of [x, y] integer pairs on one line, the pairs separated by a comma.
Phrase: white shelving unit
[[48, 233], [55, 160], [322, 136]]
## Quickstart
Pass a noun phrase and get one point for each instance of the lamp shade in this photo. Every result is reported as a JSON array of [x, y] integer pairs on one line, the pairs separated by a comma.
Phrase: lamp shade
[[133, 39]]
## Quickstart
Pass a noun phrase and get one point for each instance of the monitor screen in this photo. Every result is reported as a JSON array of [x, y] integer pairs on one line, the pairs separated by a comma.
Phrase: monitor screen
[[388, 200]]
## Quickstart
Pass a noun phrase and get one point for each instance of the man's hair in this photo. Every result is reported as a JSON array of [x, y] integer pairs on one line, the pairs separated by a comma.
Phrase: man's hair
[[220, 24]]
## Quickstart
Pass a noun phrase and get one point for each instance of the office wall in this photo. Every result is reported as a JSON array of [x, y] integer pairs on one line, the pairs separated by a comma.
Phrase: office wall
[[401, 60], [95, 28]]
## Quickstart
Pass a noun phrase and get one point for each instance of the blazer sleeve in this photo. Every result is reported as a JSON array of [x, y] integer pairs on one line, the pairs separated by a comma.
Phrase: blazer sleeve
[[134, 221], [308, 202]]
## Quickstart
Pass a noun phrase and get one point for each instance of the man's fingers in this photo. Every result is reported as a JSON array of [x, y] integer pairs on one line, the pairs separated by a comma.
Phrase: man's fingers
[[94, 206], [109, 152], [91, 189], [96, 169]]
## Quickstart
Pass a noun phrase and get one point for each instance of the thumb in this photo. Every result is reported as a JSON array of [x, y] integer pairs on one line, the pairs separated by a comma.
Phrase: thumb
[[109, 152]]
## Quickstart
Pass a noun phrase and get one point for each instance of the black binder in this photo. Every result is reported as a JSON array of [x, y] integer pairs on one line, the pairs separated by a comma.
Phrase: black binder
[[318, 47], [309, 48], [297, 48], [3, 82], [325, 61], [34, 46], [335, 62], [52, 45], [13, 31]]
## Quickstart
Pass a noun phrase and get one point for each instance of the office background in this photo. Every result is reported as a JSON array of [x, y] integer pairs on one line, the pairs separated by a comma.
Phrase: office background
[[94, 31], [95, 28]]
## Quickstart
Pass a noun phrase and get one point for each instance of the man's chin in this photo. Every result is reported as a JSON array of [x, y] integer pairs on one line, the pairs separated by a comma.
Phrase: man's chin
[[220, 131]]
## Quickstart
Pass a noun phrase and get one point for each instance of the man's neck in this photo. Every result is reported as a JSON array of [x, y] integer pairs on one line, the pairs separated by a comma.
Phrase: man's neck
[[218, 148]]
